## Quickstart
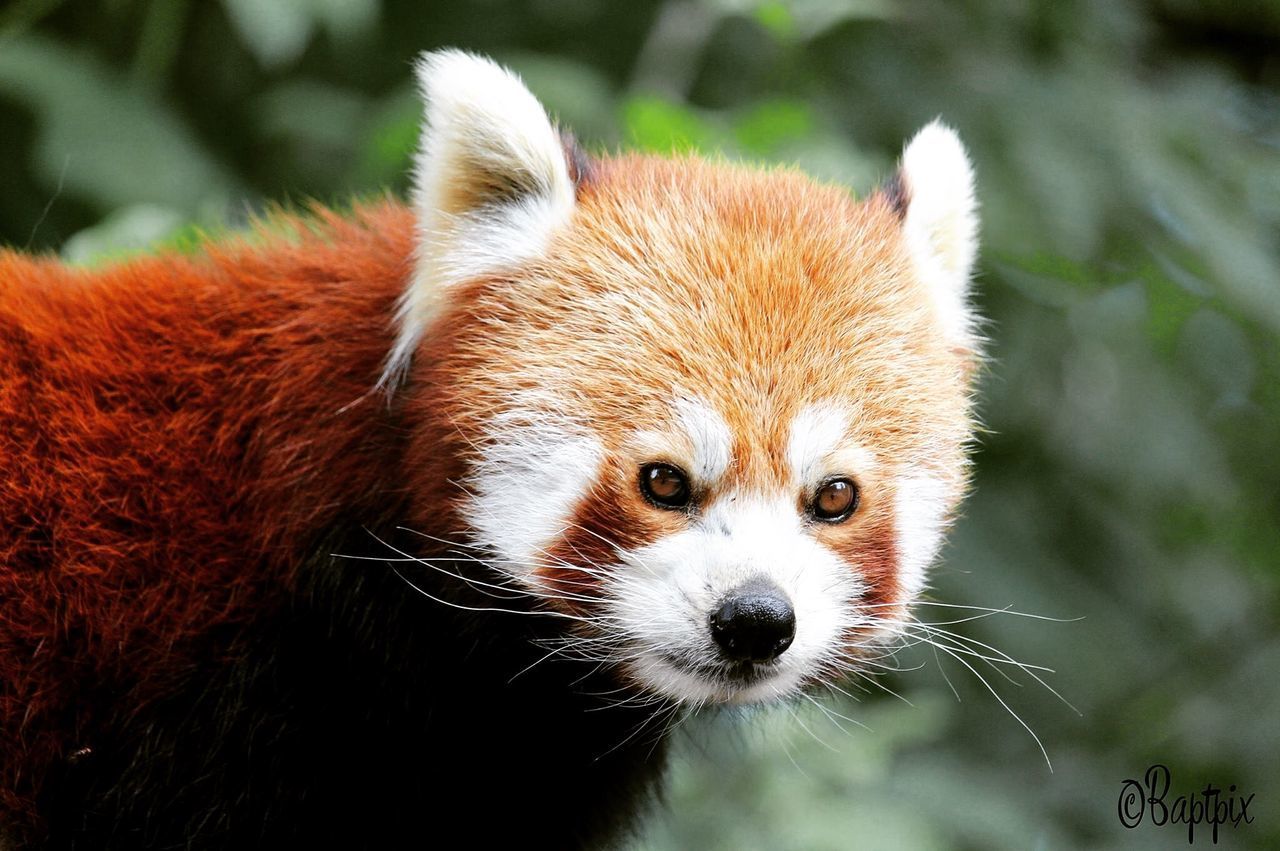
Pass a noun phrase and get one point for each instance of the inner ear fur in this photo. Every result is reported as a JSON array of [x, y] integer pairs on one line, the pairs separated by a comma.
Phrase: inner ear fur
[[493, 179], [932, 194]]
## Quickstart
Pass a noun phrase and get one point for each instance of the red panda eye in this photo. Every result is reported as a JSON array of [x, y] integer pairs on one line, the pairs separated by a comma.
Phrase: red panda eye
[[664, 485], [836, 500]]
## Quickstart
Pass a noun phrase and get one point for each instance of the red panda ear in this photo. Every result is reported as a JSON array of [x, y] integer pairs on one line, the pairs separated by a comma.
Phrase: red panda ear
[[491, 184], [933, 194]]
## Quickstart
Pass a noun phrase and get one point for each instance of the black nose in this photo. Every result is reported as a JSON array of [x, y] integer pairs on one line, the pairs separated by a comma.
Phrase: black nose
[[754, 624]]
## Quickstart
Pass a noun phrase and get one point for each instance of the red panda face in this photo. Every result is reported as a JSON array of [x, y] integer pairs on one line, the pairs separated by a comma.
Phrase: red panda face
[[716, 417]]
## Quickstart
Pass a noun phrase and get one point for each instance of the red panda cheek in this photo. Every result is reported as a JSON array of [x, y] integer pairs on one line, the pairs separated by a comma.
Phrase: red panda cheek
[[606, 523], [870, 549]]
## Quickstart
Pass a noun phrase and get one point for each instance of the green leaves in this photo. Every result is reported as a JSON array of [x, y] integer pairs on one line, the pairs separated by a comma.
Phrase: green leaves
[[103, 139], [278, 31], [662, 126], [100, 137]]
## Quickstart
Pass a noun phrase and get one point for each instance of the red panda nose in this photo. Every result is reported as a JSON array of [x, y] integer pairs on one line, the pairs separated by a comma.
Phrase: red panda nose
[[755, 623]]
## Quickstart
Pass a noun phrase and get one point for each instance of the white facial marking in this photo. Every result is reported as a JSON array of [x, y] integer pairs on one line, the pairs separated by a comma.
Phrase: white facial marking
[[941, 224], [484, 134], [533, 471], [816, 432], [664, 601], [920, 508], [709, 438]]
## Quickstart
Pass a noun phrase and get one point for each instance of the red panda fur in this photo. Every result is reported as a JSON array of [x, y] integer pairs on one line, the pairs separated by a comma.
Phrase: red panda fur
[[168, 422]]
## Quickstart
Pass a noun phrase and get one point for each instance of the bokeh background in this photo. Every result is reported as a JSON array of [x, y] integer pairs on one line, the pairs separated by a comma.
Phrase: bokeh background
[[1128, 484]]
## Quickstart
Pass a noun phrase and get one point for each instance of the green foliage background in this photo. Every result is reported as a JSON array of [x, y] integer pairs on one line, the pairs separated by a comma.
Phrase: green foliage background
[[1128, 156]]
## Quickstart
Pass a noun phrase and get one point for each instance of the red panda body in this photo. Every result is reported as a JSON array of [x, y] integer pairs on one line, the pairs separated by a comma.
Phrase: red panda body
[[185, 443], [427, 520]]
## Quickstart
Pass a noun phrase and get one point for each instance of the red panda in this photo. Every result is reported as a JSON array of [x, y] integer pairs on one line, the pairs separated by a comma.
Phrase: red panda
[[425, 520]]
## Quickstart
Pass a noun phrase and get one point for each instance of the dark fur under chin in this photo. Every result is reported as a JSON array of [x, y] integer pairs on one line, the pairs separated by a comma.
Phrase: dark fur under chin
[[361, 714]]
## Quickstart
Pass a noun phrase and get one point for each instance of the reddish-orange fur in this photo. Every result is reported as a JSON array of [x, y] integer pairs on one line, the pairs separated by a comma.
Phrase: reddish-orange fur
[[166, 421]]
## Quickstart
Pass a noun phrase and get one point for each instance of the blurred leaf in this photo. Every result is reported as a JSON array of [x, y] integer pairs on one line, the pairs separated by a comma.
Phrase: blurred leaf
[[125, 231], [814, 17], [776, 18], [769, 125], [1170, 306], [1215, 350], [833, 158], [21, 14], [102, 138], [654, 124], [390, 136], [806, 19], [346, 19], [308, 110], [278, 31]]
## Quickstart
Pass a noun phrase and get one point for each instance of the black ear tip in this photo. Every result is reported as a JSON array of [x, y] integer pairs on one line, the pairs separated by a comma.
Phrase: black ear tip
[[581, 166], [896, 194]]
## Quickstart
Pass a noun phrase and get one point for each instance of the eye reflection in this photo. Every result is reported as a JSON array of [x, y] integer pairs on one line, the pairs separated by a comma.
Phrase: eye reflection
[[835, 500], [665, 485]]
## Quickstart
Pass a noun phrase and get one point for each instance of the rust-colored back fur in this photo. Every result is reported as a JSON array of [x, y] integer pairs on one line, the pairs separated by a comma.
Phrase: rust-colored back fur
[[168, 422]]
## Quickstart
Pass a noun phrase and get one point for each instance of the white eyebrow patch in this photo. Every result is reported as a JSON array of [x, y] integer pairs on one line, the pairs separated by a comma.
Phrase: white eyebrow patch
[[709, 437], [816, 432]]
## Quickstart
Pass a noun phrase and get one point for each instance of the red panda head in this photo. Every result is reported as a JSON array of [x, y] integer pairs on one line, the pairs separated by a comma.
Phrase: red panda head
[[715, 415]]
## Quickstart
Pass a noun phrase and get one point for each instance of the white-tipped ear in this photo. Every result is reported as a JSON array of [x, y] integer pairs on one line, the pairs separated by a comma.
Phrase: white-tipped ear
[[934, 196], [492, 182]]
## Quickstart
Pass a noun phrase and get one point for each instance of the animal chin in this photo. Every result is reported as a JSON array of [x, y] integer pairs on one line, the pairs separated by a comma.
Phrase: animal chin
[[711, 682]]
